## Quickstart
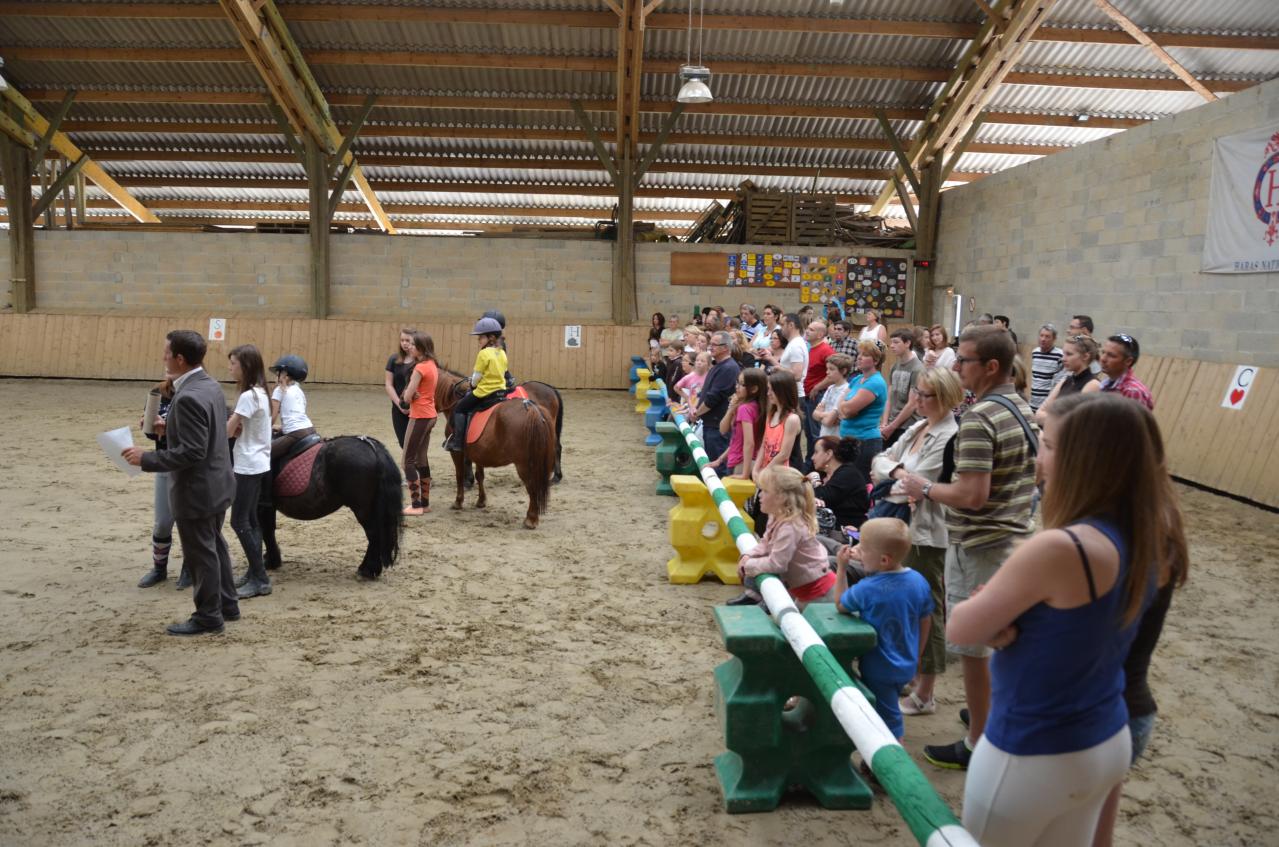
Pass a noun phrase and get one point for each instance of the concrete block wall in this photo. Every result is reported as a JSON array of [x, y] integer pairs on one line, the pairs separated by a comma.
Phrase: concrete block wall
[[1115, 229], [372, 277]]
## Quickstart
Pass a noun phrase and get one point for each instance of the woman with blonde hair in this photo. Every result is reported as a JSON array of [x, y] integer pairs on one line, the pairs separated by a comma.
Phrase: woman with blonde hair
[[921, 450], [874, 330], [1077, 356], [1063, 611], [863, 406]]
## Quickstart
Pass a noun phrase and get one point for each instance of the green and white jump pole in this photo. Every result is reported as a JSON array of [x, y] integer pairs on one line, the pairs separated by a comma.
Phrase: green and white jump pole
[[927, 815]]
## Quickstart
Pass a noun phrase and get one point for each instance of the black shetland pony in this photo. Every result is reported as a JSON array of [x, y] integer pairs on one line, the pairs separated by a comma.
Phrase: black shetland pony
[[354, 471]]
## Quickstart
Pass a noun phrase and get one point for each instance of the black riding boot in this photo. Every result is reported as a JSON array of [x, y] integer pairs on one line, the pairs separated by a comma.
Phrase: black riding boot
[[458, 439], [184, 578], [256, 583], [159, 563]]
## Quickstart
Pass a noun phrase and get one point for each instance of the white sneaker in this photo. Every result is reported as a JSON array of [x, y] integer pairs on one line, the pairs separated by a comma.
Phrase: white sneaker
[[912, 705]]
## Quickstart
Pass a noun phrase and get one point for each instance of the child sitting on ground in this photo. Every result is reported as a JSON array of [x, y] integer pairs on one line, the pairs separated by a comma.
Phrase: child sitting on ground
[[896, 601], [789, 547]]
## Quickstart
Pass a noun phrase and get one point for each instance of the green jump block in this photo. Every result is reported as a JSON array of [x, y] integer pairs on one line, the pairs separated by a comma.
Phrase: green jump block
[[771, 749]]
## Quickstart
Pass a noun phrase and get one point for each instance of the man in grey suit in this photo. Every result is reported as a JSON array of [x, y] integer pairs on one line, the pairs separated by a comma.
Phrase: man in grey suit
[[201, 482]]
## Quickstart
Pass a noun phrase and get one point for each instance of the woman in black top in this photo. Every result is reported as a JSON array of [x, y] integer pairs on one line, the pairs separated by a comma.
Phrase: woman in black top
[[1077, 354], [398, 370], [1174, 570], [838, 483]]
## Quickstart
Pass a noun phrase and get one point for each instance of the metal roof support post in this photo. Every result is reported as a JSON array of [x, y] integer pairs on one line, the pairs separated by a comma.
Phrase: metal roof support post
[[317, 174], [15, 159], [929, 218]]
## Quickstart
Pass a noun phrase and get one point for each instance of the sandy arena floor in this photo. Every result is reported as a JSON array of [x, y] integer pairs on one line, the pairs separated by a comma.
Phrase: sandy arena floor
[[498, 686]]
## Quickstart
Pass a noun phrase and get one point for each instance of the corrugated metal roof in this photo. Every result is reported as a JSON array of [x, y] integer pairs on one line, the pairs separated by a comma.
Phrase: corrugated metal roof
[[468, 185]]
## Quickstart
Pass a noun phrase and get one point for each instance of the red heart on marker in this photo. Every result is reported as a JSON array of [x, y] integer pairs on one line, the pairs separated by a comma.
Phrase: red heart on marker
[[1236, 396]]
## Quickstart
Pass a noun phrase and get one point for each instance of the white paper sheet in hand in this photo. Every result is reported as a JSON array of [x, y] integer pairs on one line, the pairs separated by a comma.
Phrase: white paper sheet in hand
[[113, 444]]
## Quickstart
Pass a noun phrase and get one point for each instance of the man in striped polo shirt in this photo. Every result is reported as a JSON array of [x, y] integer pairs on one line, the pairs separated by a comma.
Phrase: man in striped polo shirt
[[988, 505], [1046, 369]]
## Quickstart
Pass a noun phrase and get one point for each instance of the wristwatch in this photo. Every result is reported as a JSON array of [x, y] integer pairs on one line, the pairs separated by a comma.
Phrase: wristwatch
[[928, 486]]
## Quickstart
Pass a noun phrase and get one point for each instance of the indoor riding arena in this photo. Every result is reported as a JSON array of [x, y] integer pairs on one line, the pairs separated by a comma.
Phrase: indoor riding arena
[[586, 223]]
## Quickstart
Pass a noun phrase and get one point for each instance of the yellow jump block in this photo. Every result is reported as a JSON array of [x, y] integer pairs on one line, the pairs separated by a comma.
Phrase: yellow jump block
[[702, 543], [642, 388]]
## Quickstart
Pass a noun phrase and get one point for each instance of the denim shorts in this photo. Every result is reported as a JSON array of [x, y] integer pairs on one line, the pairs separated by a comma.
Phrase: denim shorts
[[1141, 729]]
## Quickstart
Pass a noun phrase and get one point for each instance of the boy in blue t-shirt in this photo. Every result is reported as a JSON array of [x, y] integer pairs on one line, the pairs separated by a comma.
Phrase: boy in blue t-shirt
[[896, 601]]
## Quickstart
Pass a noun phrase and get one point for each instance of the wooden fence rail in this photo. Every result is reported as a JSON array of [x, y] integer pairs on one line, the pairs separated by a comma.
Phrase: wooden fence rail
[[123, 347]]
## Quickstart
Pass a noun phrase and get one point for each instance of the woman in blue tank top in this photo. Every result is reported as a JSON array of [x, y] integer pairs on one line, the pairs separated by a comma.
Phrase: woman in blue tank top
[[1063, 611]]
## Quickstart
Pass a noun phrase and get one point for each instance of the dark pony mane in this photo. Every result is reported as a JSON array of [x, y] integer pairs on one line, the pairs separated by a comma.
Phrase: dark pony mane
[[449, 370]]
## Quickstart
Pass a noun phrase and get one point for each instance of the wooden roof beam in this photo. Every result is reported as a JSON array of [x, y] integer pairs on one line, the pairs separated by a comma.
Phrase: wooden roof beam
[[606, 20], [301, 206], [506, 162], [35, 122], [1126, 24], [984, 66], [791, 110], [385, 185], [532, 134], [824, 70], [284, 70]]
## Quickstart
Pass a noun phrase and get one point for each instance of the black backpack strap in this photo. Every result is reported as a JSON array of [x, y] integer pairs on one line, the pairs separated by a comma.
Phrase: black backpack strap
[[1031, 439]]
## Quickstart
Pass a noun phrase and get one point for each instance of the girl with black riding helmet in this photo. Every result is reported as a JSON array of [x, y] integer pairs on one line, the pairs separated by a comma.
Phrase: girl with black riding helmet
[[288, 404], [488, 381]]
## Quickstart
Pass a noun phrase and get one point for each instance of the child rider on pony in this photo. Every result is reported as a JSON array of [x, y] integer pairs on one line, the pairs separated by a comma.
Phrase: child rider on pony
[[488, 382]]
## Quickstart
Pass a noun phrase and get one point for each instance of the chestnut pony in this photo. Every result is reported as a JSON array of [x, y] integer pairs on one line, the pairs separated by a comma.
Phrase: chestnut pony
[[519, 432]]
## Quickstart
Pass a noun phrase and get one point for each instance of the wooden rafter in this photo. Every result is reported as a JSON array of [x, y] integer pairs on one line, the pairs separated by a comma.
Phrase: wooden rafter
[[601, 209], [237, 98], [500, 133], [510, 162], [515, 61], [282, 67], [333, 12], [36, 123], [570, 190], [983, 67], [1126, 24]]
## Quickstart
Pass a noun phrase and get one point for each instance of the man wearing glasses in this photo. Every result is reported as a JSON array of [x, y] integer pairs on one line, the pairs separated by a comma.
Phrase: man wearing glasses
[[1118, 355], [989, 505], [717, 391]]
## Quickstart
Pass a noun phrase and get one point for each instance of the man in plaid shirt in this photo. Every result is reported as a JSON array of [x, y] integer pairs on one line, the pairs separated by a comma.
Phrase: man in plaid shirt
[[1118, 355], [841, 339]]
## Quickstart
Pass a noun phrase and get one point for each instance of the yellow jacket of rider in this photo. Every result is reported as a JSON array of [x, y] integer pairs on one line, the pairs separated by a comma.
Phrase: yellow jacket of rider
[[491, 365]]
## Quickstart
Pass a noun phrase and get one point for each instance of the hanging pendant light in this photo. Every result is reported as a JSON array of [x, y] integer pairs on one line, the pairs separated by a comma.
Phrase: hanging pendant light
[[695, 77]]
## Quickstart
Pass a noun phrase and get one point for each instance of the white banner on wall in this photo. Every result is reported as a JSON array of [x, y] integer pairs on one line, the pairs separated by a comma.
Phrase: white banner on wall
[[1243, 210]]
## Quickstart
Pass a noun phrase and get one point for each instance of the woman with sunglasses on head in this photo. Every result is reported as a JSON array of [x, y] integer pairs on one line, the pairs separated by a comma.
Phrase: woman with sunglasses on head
[[1077, 356]]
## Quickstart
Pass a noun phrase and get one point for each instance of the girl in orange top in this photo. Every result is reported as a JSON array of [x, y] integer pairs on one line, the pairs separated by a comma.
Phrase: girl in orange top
[[782, 426], [419, 394]]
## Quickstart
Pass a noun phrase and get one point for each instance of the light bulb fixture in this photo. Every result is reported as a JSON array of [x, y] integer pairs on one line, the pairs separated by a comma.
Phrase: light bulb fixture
[[1082, 117], [694, 89]]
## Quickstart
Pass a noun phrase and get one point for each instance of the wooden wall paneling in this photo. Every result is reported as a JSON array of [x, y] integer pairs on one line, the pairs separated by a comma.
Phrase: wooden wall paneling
[[1219, 430], [120, 367], [1265, 488], [1178, 375], [8, 341], [1255, 442], [1195, 445]]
